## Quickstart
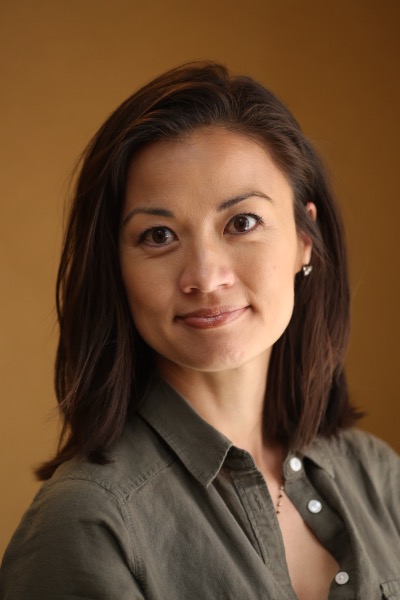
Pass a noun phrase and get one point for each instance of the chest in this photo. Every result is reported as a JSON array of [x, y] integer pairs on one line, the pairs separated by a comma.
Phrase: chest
[[225, 541], [311, 567]]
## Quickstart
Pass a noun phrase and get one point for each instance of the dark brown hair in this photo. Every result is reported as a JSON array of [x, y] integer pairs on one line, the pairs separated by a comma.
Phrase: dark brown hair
[[102, 364]]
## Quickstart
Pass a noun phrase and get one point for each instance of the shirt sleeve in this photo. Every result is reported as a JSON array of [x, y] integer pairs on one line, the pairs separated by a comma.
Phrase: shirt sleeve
[[72, 543]]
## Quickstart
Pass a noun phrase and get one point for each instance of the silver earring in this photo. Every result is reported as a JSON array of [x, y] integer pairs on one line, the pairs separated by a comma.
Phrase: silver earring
[[307, 270]]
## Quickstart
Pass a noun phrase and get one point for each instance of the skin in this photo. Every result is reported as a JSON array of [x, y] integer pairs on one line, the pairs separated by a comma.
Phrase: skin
[[209, 252], [205, 263]]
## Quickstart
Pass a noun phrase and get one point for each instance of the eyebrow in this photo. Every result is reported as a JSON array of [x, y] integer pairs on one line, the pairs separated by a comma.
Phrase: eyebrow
[[158, 212], [162, 212], [240, 198]]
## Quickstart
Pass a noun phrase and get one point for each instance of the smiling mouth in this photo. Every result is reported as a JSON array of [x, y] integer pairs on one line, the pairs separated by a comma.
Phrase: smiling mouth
[[212, 317]]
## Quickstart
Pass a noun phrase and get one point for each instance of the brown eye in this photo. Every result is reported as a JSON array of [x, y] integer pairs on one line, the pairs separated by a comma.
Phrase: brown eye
[[243, 223], [157, 236]]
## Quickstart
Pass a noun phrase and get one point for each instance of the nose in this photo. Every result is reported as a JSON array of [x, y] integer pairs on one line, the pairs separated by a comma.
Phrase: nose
[[207, 268]]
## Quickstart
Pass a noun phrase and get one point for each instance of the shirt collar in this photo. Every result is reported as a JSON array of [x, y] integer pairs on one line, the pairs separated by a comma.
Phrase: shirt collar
[[199, 446], [318, 452]]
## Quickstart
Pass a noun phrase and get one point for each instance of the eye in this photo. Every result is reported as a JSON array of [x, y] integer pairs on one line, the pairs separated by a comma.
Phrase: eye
[[243, 223], [157, 236]]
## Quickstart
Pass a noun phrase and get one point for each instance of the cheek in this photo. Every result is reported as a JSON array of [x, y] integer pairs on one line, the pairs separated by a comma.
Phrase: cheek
[[273, 272], [146, 292], [273, 288]]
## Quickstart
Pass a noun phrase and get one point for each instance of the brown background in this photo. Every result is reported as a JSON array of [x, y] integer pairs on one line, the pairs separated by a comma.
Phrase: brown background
[[66, 64]]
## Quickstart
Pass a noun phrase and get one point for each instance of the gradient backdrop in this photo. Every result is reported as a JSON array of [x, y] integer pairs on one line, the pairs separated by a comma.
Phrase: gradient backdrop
[[66, 64]]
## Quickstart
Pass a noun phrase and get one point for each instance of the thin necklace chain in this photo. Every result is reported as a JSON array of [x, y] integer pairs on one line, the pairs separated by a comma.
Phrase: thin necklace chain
[[280, 498]]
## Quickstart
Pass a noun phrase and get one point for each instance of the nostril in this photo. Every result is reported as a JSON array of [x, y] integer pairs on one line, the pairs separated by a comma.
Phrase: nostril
[[206, 280]]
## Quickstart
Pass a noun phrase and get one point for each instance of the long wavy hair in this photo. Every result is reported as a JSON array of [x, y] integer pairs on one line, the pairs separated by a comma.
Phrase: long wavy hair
[[102, 364]]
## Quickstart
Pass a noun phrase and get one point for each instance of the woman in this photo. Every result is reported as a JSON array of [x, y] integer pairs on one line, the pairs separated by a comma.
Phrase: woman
[[208, 449]]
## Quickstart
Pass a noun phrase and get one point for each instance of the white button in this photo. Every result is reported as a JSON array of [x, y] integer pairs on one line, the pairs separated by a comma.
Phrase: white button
[[342, 578], [314, 506], [295, 464]]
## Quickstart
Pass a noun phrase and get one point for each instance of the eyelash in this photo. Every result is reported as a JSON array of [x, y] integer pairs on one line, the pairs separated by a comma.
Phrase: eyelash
[[145, 234], [257, 218]]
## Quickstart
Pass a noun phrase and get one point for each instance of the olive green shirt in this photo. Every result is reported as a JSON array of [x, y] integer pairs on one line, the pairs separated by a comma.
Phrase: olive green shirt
[[182, 514]]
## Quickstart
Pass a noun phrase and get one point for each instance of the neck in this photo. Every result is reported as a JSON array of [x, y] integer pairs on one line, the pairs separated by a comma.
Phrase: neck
[[231, 401]]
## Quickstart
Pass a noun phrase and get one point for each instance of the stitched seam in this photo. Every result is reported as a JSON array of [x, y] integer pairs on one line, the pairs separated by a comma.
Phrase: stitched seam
[[124, 515], [150, 475], [242, 493], [170, 437]]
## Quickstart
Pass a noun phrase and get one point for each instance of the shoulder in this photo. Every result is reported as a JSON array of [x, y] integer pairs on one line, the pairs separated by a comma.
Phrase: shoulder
[[80, 523], [83, 496], [357, 444], [137, 456], [364, 458]]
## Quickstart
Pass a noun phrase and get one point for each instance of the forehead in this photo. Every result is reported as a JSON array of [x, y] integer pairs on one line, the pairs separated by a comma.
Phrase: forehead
[[214, 160]]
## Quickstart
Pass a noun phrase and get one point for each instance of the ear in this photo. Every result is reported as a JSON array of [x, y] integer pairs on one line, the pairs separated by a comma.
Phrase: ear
[[305, 242]]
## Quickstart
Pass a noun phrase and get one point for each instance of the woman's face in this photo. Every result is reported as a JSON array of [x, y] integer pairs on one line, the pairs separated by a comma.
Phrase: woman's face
[[209, 250]]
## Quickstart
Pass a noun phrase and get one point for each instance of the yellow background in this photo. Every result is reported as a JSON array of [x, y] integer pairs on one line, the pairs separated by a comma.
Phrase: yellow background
[[66, 64]]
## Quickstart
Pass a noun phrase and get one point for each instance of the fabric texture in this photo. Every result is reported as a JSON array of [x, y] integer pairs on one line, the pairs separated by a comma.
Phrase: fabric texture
[[182, 513]]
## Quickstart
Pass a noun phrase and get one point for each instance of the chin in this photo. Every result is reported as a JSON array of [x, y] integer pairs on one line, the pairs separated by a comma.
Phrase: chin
[[214, 360]]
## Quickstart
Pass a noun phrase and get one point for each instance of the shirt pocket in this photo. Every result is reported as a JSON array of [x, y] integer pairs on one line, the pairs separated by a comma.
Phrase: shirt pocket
[[391, 590]]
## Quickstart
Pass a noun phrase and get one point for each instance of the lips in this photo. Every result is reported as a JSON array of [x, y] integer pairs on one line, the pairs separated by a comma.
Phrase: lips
[[208, 318]]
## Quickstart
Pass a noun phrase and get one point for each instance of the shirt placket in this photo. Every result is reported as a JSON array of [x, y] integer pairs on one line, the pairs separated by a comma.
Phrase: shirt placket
[[260, 510], [325, 524]]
